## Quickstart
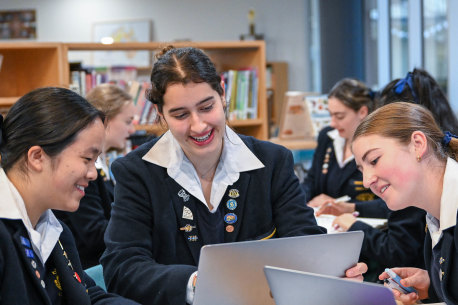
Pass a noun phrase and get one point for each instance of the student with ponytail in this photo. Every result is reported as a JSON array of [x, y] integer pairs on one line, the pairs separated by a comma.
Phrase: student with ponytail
[[407, 160]]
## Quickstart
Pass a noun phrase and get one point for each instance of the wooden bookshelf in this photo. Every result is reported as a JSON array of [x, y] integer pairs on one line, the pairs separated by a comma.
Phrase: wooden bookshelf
[[27, 66], [226, 55], [30, 65]]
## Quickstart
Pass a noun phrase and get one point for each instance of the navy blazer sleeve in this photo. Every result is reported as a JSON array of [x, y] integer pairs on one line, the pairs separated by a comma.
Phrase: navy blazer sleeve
[[310, 184], [398, 245], [376, 208]]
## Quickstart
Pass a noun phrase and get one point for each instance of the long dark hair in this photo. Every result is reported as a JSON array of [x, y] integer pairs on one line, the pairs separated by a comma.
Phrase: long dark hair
[[47, 117], [421, 88], [181, 66]]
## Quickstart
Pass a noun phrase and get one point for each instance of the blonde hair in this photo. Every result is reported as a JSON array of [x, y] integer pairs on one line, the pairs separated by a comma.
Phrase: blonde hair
[[399, 120], [109, 99]]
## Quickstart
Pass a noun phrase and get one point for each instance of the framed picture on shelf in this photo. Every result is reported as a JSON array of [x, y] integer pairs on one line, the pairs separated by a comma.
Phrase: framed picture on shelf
[[18, 24], [122, 31]]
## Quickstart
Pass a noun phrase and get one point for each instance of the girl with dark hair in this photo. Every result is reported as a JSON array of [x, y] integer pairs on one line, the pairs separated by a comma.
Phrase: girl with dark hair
[[198, 184], [89, 222], [421, 88], [407, 160], [49, 142]]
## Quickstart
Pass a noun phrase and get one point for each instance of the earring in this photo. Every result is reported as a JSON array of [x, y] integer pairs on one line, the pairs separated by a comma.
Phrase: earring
[[418, 158]]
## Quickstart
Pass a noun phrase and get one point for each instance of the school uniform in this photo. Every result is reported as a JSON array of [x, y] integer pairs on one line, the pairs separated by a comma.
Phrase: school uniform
[[441, 243], [398, 244], [333, 176], [89, 222], [160, 217], [41, 265]]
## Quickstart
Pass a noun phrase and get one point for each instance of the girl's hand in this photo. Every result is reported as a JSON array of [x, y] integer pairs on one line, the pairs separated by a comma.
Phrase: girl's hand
[[414, 277]]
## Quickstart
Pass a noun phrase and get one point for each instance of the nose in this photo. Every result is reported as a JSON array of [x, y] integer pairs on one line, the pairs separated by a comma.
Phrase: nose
[[333, 122], [131, 129], [197, 124], [92, 172], [368, 178]]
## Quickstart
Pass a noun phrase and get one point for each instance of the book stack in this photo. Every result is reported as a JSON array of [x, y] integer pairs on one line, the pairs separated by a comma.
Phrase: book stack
[[241, 87]]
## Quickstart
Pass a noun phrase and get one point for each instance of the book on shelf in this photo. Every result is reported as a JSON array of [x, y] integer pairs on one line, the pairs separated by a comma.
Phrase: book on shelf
[[303, 116], [241, 87]]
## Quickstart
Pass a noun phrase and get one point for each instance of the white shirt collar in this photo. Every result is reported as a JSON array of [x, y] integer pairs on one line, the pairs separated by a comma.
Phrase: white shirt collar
[[235, 158], [339, 145], [47, 231], [448, 203]]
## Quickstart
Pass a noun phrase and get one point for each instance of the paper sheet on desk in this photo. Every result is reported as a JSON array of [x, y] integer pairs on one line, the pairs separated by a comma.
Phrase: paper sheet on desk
[[326, 222]]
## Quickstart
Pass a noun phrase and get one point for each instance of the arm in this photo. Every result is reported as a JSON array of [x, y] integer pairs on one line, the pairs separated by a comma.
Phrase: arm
[[373, 209], [135, 240], [291, 215], [309, 184], [401, 244]]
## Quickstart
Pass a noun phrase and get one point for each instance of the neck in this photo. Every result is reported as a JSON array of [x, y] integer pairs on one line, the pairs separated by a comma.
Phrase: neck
[[432, 184], [22, 182]]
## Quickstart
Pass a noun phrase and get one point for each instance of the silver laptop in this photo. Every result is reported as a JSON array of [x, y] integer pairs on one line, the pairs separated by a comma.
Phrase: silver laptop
[[232, 273], [304, 288]]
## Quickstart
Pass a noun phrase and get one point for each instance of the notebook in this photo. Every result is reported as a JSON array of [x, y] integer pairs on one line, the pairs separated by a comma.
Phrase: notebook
[[232, 273], [305, 288]]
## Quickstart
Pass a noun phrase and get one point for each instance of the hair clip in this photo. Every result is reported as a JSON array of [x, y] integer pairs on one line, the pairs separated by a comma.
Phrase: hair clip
[[400, 85], [447, 138]]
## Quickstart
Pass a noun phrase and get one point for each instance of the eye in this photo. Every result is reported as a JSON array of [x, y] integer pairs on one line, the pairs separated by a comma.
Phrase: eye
[[373, 162], [207, 108], [180, 116]]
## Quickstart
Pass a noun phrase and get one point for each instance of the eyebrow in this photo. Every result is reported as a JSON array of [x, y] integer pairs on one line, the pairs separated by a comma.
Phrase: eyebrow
[[94, 151], [199, 103], [366, 153]]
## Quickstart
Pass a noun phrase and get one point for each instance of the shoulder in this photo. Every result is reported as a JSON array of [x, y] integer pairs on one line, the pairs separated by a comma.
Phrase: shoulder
[[323, 134], [264, 150]]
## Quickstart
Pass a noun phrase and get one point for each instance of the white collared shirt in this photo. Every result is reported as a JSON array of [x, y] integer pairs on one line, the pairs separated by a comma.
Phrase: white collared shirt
[[448, 204], [235, 158], [47, 231], [339, 146]]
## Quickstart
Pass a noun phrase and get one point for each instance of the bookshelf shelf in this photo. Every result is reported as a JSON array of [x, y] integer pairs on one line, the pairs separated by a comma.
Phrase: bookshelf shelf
[[8, 101], [295, 144]]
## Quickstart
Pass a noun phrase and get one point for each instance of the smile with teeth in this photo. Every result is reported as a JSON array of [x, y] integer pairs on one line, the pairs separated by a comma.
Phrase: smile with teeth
[[204, 138], [383, 189], [81, 188]]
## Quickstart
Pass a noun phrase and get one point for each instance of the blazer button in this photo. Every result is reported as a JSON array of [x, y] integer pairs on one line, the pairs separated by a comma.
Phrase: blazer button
[[441, 260]]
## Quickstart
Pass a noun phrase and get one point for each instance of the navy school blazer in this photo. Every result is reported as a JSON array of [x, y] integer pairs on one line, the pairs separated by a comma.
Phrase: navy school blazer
[[150, 256], [448, 262], [20, 285]]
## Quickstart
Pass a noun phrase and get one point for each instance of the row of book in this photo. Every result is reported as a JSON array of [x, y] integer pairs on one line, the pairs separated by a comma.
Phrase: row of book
[[83, 79], [241, 87], [145, 113]]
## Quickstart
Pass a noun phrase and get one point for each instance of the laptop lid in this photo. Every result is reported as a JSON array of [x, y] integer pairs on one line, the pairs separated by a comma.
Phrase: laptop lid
[[304, 288], [232, 273]]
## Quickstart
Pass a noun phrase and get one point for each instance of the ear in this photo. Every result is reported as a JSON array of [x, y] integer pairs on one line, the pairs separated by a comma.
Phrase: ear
[[223, 95], [363, 112], [35, 158], [419, 143]]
